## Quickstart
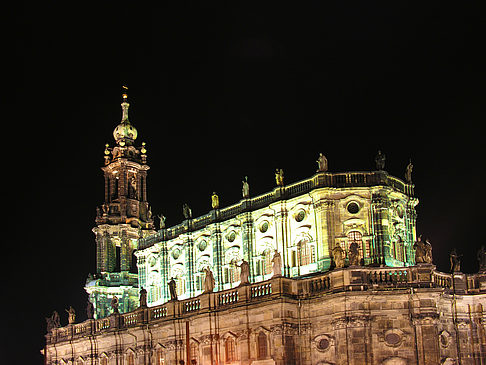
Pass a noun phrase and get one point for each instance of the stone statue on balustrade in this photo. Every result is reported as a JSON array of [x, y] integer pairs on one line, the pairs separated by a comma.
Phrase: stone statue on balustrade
[[380, 159], [455, 260], [245, 190], [143, 298], [423, 251], [172, 289], [53, 321], [277, 264], [353, 255], [209, 281], [214, 201], [71, 315], [90, 310], [482, 259], [321, 163], [114, 304], [244, 272], [408, 173], [186, 211], [279, 177], [162, 219], [338, 256]]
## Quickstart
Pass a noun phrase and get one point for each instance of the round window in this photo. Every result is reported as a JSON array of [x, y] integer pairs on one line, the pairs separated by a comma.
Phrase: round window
[[202, 245], [264, 226], [299, 217], [152, 261], [399, 211], [323, 344], [231, 236], [392, 338], [176, 253], [353, 208]]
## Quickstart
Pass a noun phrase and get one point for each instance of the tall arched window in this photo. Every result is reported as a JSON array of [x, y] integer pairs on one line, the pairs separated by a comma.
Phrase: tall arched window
[[194, 351], [130, 359], [267, 262], [104, 360], [160, 358], [230, 350], [262, 348]]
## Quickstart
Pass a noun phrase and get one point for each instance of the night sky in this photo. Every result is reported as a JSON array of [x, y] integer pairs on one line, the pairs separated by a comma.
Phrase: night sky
[[219, 92]]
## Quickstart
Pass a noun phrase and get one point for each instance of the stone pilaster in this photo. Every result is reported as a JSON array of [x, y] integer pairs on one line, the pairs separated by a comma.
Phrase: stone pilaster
[[217, 246]]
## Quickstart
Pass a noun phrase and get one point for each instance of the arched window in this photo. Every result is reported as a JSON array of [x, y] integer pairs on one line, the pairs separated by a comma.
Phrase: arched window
[[104, 361], [230, 351], [262, 349], [130, 359], [194, 351], [160, 360], [267, 262]]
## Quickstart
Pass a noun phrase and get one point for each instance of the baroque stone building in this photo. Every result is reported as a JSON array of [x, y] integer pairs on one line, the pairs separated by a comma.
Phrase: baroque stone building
[[321, 271]]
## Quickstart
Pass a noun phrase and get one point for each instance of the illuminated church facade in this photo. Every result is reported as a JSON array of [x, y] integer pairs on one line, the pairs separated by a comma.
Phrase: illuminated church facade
[[348, 289]]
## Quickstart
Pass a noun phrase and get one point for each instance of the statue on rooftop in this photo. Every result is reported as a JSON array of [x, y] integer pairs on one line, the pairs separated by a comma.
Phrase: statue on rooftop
[[321, 163], [209, 281], [114, 304], [277, 264], [245, 190], [162, 219], [408, 173], [71, 315], [214, 201], [53, 321], [482, 259], [279, 177], [338, 256], [353, 255], [380, 161], [90, 310], [423, 251], [172, 289], [455, 260], [186, 211], [143, 298], [244, 272]]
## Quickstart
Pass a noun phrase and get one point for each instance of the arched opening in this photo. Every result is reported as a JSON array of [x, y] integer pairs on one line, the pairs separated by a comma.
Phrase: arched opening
[[230, 349], [262, 347]]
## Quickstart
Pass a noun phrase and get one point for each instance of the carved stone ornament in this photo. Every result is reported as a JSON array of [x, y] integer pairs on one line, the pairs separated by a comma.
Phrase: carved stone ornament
[[393, 337], [444, 339]]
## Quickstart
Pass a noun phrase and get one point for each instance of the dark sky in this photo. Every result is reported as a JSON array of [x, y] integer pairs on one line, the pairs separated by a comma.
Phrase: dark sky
[[219, 92]]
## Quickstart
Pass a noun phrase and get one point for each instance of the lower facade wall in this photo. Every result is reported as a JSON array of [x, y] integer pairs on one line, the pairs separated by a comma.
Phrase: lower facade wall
[[424, 326]]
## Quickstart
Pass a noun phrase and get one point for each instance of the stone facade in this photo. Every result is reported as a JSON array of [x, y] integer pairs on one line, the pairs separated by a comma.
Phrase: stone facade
[[360, 315]]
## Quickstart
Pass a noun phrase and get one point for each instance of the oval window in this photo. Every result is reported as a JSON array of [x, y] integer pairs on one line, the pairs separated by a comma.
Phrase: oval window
[[353, 208]]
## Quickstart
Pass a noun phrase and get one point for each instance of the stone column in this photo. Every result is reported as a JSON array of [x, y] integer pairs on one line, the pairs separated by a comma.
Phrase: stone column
[[125, 252], [217, 246], [248, 244], [189, 264], [381, 250], [282, 233], [164, 271], [324, 213]]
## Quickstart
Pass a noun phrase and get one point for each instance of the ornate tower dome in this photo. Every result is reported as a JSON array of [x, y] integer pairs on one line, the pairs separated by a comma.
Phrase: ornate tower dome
[[125, 133]]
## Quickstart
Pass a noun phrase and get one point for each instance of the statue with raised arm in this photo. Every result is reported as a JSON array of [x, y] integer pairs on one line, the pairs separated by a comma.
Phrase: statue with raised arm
[[428, 252], [143, 298], [455, 260], [408, 173], [244, 272], [277, 264], [114, 304], [279, 177], [338, 256], [380, 161], [321, 163], [214, 201], [245, 190], [90, 310], [162, 219], [209, 281], [71, 315], [172, 289], [482, 259]]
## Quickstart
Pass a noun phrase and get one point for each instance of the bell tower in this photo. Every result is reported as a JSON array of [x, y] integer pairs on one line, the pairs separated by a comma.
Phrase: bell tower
[[123, 218]]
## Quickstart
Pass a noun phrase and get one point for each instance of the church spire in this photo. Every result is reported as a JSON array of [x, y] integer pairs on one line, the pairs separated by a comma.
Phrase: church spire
[[125, 104], [125, 133]]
